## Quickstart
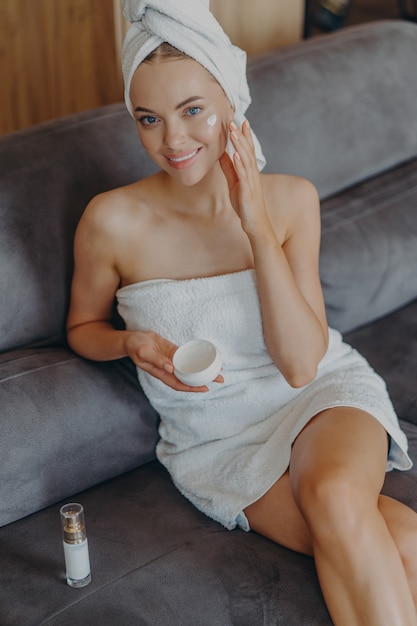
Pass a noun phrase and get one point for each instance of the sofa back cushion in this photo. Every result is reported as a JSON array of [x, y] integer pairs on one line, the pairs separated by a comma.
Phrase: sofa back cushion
[[341, 111], [368, 254], [339, 108], [48, 174]]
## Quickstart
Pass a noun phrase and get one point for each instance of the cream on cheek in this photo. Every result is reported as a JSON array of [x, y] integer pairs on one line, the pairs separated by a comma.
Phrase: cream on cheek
[[213, 130]]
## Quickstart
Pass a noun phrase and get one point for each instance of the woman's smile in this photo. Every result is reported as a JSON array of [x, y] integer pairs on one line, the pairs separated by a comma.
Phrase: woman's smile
[[183, 159]]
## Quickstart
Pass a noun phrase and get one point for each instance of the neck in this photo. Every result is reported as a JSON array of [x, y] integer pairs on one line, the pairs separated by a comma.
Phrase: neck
[[207, 198]]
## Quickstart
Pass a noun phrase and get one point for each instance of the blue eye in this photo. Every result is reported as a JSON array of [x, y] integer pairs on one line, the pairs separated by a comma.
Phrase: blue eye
[[193, 111], [148, 120]]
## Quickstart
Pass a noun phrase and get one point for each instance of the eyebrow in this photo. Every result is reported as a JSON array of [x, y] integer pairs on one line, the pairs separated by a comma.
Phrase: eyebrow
[[179, 106]]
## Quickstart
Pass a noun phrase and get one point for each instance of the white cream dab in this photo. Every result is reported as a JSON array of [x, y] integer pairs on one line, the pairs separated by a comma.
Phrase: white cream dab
[[212, 120]]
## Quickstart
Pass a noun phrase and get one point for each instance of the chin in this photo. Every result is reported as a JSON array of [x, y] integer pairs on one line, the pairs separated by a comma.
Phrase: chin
[[188, 179], [193, 175]]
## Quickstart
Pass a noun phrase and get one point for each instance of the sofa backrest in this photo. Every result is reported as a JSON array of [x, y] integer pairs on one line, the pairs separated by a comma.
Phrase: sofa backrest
[[48, 174], [336, 110]]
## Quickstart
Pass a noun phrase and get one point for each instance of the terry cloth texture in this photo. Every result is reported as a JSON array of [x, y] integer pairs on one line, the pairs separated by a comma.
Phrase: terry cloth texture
[[224, 449], [189, 26]]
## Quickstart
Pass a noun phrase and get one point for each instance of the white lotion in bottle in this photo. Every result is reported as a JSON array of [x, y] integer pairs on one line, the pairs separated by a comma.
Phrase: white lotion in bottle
[[77, 559]]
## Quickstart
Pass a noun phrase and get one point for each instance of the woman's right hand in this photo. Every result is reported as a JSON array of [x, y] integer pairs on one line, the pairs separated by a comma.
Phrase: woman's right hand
[[154, 354]]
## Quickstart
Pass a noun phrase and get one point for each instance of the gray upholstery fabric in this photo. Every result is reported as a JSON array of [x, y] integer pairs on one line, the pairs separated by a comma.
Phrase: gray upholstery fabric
[[157, 561], [48, 175], [390, 345], [66, 424], [337, 109], [368, 255]]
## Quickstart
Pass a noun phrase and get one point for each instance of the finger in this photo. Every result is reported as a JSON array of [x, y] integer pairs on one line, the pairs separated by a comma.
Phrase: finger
[[247, 132], [147, 356], [244, 149], [170, 379], [243, 138], [239, 166], [242, 135], [228, 169]]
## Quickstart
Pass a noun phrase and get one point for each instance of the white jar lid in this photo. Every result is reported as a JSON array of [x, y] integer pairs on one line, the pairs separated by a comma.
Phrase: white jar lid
[[197, 363]]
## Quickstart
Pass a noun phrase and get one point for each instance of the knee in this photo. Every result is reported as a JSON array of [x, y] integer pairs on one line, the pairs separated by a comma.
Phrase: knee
[[333, 504]]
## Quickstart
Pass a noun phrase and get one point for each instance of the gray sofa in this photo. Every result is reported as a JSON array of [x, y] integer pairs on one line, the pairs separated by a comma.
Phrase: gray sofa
[[340, 110]]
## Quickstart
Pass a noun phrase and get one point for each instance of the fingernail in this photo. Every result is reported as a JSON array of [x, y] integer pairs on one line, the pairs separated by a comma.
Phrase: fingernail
[[233, 125]]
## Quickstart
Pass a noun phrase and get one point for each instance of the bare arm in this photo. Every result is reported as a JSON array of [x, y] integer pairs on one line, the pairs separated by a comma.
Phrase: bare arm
[[293, 314], [95, 281], [89, 326]]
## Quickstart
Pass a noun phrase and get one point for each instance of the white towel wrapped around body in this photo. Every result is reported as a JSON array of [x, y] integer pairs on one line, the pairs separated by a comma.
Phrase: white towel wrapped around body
[[226, 448], [189, 26]]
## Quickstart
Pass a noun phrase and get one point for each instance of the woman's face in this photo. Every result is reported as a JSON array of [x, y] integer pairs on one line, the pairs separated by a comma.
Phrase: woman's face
[[182, 117]]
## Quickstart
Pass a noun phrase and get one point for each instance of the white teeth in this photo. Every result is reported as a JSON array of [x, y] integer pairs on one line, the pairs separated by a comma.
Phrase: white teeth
[[184, 158]]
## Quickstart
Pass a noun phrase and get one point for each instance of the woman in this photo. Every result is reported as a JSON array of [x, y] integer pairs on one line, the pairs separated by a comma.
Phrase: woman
[[292, 440]]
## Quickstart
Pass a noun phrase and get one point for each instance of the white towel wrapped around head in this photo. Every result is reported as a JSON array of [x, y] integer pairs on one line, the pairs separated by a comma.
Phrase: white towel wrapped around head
[[189, 26]]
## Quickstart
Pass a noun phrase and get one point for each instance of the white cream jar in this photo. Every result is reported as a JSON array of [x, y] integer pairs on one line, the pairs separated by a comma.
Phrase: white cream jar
[[197, 363]]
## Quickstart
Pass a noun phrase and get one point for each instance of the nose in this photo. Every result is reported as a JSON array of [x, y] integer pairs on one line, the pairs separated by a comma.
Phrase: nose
[[174, 134]]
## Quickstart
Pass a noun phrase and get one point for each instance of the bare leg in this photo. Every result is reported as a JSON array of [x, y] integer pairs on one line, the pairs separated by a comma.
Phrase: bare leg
[[402, 524], [329, 505]]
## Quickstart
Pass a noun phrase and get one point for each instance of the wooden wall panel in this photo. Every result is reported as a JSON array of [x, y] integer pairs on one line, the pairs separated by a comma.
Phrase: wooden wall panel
[[260, 25], [254, 25], [56, 57], [62, 56]]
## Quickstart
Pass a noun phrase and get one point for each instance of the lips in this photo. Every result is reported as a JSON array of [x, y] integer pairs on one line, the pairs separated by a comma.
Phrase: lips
[[183, 159]]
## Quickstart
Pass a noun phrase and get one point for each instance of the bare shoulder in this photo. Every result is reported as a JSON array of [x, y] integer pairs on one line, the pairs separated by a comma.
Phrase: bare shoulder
[[115, 222], [292, 203], [114, 235], [113, 211]]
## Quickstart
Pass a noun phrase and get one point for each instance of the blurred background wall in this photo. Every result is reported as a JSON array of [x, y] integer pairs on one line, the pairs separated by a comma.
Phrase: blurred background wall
[[63, 56]]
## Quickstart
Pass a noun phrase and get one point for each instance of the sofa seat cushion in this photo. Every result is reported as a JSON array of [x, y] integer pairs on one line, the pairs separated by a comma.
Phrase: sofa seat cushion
[[62, 415], [156, 560], [369, 248]]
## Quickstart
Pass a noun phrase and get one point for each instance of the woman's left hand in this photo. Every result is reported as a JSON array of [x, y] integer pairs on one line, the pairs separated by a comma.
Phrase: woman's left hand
[[244, 181]]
